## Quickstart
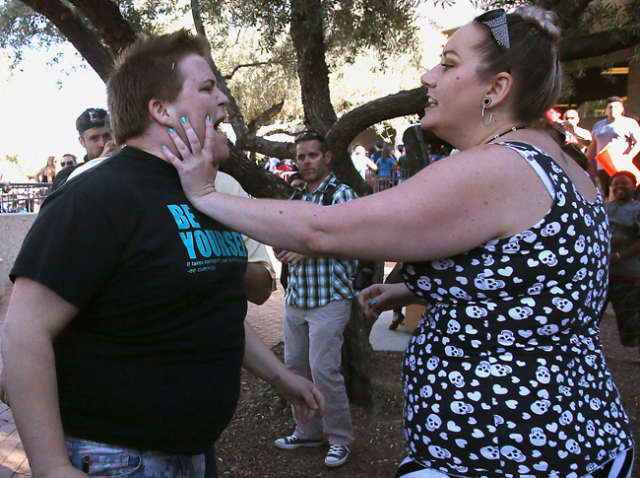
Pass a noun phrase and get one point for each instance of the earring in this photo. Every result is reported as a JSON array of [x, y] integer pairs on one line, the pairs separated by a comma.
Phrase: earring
[[485, 104]]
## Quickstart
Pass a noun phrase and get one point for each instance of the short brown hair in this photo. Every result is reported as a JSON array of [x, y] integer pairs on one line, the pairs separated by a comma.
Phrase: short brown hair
[[614, 99], [313, 136], [146, 70]]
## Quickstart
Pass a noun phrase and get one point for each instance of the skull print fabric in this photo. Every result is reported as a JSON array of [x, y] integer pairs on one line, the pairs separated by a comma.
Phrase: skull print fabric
[[505, 374]]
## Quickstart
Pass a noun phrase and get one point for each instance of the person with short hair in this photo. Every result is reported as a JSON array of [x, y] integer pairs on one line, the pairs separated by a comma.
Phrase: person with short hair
[[377, 150], [318, 301], [94, 135], [574, 133], [67, 161], [624, 277], [403, 160], [618, 134], [507, 239], [125, 334]]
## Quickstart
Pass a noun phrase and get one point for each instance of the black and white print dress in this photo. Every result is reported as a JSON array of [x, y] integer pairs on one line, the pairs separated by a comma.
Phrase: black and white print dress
[[505, 375]]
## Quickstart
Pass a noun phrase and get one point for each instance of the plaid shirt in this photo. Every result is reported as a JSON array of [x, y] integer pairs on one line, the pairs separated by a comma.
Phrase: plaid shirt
[[316, 282]]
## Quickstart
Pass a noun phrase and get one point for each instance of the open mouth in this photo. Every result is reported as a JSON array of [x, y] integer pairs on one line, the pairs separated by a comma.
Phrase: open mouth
[[431, 101], [217, 124]]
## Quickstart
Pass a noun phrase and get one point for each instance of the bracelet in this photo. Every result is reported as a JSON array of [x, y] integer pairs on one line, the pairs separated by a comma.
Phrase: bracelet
[[618, 255]]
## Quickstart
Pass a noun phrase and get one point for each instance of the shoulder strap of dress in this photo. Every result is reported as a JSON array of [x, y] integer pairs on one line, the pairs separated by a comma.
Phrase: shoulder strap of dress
[[538, 160]]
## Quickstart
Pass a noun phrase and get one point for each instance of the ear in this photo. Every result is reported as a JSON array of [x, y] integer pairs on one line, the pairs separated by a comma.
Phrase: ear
[[328, 157], [81, 139], [160, 111], [500, 88]]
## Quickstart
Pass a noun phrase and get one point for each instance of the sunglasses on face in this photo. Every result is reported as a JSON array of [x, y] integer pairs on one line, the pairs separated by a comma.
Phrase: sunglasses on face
[[496, 20], [66, 163]]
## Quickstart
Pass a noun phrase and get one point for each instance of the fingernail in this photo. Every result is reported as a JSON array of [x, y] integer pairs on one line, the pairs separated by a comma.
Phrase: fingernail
[[164, 147], [373, 302], [170, 130], [208, 118], [184, 119]]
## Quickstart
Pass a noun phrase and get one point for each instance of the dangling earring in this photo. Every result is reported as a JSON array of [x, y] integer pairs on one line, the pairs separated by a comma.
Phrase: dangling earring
[[485, 104]]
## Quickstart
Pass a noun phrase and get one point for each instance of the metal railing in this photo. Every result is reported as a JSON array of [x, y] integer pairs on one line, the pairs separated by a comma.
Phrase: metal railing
[[22, 197], [386, 178], [28, 197]]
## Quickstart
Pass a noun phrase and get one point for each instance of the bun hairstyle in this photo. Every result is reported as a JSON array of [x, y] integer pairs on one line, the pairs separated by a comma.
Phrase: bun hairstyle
[[532, 61]]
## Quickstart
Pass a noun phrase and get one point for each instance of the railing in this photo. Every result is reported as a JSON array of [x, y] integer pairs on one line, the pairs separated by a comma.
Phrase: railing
[[22, 197], [386, 178]]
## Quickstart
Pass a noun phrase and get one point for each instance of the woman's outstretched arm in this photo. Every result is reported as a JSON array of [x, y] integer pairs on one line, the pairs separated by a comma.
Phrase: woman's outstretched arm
[[448, 208]]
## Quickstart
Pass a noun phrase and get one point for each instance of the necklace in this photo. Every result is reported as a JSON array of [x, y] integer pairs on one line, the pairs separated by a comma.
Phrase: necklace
[[513, 129]]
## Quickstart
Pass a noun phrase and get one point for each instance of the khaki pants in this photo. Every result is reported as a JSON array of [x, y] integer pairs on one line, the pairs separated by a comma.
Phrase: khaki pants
[[313, 349]]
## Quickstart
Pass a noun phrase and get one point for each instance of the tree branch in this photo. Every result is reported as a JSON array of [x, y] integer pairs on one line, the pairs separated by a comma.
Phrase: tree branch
[[265, 116], [235, 115], [344, 131], [399, 104], [112, 28], [286, 131], [246, 65], [256, 181], [72, 27], [595, 44], [244, 139]]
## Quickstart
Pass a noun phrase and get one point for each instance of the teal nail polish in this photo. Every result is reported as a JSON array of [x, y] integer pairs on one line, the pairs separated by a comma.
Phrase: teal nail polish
[[170, 130], [164, 147], [374, 302], [208, 118], [184, 119]]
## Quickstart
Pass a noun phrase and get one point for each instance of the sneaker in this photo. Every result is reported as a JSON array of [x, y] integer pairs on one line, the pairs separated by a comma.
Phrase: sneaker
[[292, 442], [337, 456]]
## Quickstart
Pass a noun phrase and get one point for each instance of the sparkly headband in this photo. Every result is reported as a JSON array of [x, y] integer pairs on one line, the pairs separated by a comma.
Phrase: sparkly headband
[[496, 20]]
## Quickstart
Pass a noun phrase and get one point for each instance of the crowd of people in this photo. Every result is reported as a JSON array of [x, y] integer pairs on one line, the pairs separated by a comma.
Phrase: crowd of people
[[382, 164], [146, 270]]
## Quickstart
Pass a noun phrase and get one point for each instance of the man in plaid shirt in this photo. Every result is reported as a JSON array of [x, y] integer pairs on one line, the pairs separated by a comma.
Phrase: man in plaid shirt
[[318, 307]]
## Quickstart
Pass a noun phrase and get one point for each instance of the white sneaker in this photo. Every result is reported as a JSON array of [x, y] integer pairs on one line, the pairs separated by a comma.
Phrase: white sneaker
[[337, 456]]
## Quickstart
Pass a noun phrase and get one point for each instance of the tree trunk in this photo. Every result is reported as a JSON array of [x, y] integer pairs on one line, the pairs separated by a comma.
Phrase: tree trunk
[[307, 34], [416, 149], [357, 353]]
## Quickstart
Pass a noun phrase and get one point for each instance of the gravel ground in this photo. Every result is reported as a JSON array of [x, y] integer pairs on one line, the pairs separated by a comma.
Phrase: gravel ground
[[246, 449]]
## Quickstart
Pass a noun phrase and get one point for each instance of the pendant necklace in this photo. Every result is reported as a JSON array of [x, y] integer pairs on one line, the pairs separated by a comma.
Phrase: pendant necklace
[[513, 129]]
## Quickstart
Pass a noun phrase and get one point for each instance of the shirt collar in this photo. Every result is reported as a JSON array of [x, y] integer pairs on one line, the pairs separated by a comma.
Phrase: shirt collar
[[323, 185]]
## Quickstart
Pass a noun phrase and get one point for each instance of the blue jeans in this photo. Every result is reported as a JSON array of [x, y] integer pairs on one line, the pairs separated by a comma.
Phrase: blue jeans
[[102, 460]]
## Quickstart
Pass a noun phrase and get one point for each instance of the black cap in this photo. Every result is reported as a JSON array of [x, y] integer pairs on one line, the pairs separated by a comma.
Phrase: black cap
[[92, 118]]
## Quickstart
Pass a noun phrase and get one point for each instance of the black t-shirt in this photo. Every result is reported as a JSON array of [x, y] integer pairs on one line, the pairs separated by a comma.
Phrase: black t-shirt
[[61, 177], [153, 358]]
